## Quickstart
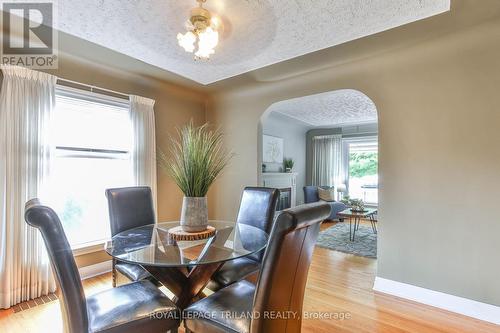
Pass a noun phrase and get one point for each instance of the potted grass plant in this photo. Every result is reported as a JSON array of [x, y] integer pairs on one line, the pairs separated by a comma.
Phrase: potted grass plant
[[196, 158]]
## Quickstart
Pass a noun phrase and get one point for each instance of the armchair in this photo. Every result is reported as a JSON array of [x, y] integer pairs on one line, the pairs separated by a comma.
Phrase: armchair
[[311, 195]]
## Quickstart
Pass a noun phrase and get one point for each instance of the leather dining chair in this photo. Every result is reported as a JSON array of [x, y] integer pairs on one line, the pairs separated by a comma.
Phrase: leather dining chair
[[281, 285], [135, 307], [257, 208], [130, 207]]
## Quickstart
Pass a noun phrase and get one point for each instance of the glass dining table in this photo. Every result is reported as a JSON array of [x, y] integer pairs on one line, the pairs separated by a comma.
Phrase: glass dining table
[[185, 267]]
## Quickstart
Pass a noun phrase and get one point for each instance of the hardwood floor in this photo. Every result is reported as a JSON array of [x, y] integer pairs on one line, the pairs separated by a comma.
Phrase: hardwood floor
[[46, 317], [338, 283]]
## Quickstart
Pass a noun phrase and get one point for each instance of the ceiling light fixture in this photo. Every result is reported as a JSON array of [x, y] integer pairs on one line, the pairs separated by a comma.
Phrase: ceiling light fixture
[[203, 33]]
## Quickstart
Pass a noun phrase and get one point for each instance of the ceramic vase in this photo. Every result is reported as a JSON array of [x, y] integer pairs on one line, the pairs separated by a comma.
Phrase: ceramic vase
[[194, 215]]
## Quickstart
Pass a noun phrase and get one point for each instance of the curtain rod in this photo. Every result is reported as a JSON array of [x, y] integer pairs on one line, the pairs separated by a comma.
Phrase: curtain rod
[[327, 136], [92, 87]]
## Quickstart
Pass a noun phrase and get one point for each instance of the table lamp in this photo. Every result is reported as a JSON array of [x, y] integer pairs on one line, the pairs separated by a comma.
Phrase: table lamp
[[341, 189]]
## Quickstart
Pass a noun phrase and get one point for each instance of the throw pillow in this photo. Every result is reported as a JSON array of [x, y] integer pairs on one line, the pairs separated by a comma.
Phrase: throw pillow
[[326, 194]]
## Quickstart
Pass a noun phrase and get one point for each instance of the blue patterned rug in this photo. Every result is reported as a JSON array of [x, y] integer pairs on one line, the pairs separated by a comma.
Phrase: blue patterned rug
[[337, 238]]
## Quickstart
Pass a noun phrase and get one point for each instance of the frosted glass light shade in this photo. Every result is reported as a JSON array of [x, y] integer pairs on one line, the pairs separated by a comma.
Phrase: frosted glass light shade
[[207, 41], [186, 41]]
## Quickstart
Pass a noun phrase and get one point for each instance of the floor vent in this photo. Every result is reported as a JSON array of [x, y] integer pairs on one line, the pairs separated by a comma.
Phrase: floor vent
[[34, 302]]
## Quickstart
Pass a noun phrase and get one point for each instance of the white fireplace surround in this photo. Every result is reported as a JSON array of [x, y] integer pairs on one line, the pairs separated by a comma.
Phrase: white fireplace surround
[[281, 180]]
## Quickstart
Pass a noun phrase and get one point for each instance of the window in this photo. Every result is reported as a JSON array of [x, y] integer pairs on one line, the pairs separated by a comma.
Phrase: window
[[92, 137], [362, 163]]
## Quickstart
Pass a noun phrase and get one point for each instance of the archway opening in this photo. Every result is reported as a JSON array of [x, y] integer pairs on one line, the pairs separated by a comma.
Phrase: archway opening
[[323, 147]]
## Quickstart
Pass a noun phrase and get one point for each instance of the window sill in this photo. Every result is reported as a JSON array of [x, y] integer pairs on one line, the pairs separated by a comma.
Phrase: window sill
[[87, 248]]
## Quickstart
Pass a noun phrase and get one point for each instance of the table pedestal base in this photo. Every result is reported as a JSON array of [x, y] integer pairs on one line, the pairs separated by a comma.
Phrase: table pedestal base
[[185, 285]]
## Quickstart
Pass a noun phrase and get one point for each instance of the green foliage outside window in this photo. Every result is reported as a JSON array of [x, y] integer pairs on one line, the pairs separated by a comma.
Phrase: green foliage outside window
[[72, 213], [363, 164]]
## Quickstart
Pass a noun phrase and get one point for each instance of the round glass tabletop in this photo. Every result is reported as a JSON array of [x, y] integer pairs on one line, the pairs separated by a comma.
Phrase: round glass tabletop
[[151, 245]]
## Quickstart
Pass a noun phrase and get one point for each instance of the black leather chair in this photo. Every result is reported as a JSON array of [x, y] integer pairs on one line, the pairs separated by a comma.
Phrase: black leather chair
[[281, 285], [130, 207], [135, 307], [257, 208]]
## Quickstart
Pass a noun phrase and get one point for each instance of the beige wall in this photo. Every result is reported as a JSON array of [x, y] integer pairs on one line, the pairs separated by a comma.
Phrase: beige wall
[[439, 158], [436, 89], [174, 106]]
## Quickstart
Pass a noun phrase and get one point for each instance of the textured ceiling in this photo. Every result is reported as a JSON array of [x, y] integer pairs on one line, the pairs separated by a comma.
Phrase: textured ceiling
[[339, 107], [256, 33]]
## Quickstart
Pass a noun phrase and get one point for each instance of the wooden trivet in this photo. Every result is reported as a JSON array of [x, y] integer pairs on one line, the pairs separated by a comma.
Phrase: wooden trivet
[[180, 235]]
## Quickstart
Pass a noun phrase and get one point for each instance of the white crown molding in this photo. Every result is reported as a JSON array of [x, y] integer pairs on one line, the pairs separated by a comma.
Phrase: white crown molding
[[88, 272], [464, 306]]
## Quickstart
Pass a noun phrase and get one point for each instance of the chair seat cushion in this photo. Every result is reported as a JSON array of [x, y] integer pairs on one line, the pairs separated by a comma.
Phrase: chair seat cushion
[[128, 308], [233, 271], [132, 272], [210, 315]]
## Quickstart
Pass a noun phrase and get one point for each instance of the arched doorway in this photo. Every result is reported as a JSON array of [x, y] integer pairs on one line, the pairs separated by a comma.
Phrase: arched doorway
[[331, 137]]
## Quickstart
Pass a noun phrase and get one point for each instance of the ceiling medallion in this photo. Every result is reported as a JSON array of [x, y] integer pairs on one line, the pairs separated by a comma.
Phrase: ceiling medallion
[[202, 34]]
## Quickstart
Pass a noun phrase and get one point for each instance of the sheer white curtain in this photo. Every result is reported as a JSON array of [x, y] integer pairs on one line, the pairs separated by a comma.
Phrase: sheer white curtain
[[144, 150], [327, 160], [26, 100]]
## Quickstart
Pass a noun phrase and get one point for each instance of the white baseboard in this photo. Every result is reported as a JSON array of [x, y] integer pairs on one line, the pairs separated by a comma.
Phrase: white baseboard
[[87, 272], [464, 306]]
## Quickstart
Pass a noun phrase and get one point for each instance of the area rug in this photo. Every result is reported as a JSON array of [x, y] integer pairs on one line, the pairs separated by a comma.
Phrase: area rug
[[337, 238]]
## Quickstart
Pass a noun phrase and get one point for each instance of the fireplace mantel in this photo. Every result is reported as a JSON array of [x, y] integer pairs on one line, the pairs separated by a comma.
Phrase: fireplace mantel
[[282, 180]]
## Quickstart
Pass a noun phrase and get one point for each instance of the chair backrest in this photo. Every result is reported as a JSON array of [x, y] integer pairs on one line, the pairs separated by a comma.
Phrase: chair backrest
[[257, 208], [283, 274], [72, 298], [130, 207], [311, 194]]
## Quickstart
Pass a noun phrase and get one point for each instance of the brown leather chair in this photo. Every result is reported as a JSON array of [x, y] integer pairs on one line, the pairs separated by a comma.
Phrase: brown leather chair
[[135, 307], [130, 207], [281, 284], [257, 208]]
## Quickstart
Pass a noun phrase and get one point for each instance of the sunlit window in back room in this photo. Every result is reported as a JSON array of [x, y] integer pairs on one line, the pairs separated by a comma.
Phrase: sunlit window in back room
[[92, 137], [363, 170]]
